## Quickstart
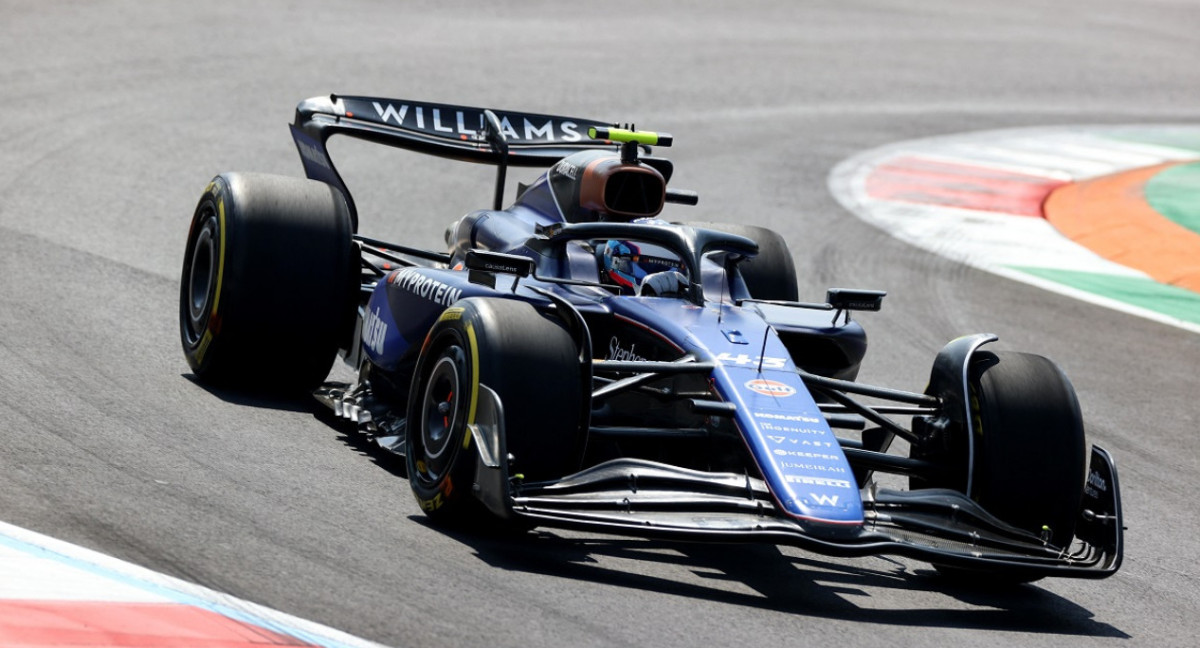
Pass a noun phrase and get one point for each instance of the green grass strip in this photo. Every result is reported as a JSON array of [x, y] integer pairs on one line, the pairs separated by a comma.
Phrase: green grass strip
[[1175, 193], [1173, 301], [1186, 140]]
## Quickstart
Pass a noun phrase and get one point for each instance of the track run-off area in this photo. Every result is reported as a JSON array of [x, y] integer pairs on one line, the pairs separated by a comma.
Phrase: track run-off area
[[1110, 215]]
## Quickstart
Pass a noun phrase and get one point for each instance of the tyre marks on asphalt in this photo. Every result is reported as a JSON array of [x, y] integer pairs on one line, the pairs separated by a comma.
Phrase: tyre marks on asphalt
[[1072, 210], [53, 594]]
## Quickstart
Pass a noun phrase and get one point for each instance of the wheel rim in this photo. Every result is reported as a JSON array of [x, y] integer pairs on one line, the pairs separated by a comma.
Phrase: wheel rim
[[440, 405], [201, 280]]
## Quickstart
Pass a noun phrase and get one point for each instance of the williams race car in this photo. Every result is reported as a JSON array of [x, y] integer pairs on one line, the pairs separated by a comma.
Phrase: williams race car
[[573, 360]]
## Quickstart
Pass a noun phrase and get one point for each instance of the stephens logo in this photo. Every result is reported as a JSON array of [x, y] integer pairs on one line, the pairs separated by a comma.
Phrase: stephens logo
[[770, 388], [617, 352]]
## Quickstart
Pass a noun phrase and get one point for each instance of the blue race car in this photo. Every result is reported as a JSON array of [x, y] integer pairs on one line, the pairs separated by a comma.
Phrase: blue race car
[[572, 360]]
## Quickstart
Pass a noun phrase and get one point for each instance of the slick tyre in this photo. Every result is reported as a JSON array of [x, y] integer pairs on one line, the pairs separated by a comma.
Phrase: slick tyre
[[531, 362], [268, 283], [771, 274], [1030, 451]]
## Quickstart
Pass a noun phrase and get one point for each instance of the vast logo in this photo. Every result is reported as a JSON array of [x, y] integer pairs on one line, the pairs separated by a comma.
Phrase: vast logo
[[770, 388], [780, 440], [374, 330]]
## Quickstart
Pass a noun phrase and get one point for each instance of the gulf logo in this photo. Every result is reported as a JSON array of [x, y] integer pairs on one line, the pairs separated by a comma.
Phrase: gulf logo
[[770, 388]]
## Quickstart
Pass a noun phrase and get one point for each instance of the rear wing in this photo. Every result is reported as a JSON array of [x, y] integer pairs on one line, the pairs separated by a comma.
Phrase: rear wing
[[499, 137]]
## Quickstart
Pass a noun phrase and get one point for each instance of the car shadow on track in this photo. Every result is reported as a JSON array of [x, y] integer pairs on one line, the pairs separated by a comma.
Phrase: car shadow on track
[[262, 400], [764, 576]]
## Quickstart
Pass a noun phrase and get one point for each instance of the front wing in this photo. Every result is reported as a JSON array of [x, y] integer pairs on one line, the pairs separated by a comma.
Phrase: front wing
[[941, 526]]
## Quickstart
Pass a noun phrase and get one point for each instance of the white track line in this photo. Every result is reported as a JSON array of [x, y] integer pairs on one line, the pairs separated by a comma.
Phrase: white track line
[[997, 242]]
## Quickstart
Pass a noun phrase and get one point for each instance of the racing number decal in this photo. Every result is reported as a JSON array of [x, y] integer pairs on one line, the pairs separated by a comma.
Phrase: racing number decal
[[744, 360]]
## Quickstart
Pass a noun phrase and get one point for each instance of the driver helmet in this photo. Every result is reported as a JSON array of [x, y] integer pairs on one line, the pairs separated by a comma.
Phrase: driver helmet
[[626, 264]]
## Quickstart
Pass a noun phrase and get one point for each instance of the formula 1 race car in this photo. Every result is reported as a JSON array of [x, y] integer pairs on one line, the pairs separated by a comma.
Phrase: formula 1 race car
[[572, 360]]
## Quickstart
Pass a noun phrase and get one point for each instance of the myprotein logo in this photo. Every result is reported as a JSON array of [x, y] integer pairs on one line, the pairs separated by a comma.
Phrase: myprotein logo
[[418, 284], [770, 388], [470, 122]]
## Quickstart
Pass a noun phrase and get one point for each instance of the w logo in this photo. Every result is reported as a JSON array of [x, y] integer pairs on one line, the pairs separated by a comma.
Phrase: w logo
[[824, 500]]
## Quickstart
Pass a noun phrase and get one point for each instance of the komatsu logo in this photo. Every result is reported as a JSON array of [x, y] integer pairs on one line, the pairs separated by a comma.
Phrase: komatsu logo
[[459, 122], [798, 418], [374, 330], [426, 287]]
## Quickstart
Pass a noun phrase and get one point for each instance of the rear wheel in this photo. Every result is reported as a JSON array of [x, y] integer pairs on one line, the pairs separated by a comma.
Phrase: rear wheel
[[530, 361], [771, 274], [268, 283]]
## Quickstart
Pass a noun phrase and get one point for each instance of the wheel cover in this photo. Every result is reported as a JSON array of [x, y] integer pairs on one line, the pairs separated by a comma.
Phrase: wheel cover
[[202, 279], [440, 414]]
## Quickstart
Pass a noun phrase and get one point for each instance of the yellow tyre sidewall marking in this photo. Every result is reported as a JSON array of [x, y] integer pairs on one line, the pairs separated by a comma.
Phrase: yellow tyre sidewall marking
[[220, 256], [207, 339], [473, 343]]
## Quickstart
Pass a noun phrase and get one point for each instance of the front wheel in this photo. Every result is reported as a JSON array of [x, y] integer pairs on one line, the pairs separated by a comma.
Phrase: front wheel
[[1030, 452], [532, 364]]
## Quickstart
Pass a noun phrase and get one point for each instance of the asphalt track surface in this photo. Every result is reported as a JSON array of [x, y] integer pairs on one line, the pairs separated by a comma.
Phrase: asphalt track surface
[[113, 116]]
